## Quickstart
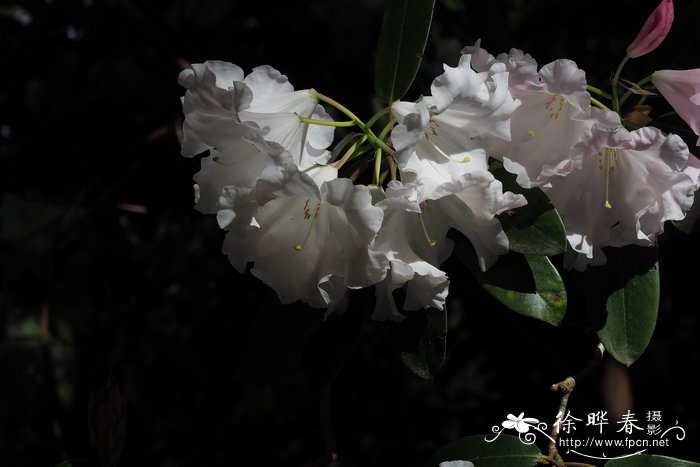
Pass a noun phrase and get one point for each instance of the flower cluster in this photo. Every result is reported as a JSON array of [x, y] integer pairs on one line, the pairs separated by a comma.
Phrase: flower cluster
[[297, 208]]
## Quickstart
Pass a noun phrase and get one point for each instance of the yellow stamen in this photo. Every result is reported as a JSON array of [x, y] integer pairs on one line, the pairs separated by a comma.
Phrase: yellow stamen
[[610, 157], [307, 216], [553, 113], [431, 131], [430, 241]]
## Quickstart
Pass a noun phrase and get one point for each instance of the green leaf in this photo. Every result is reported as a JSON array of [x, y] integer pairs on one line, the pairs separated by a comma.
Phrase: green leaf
[[536, 228], [504, 451], [402, 40], [527, 284], [425, 359], [650, 461], [421, 340], [623, 297]]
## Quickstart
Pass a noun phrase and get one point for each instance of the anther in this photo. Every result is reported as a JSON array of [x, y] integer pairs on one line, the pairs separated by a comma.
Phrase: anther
[[307, 216], [553, 114]]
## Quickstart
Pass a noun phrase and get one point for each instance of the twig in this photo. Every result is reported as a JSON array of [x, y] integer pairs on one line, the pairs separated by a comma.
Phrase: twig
[[566, 387]]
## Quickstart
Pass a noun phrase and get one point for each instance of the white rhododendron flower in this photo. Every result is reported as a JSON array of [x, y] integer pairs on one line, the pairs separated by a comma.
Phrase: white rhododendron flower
[[554, 116], [237, 209], [239, 165], [222, 106], [308, 236], [413, 253], [215, 94], [440, 149], [479, 104], [312, 235], [627, 186], [470, 205], [693, 170], [521, 67], [414, 235], [276, 108], [432, 152], [446, 135]]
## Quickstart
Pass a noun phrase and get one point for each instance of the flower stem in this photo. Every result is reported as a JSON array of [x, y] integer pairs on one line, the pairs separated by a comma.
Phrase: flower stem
[[339, 106], [387, 128], [598, 91], [615, 80], [392, 166], [378, 115], [313, 121], [599, 104], [351, 150], [376, 142], [377, 165]]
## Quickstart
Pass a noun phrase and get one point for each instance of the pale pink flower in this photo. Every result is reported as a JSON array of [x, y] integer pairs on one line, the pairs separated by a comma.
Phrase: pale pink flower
[[627, 186], [654, 30], [681, 88]]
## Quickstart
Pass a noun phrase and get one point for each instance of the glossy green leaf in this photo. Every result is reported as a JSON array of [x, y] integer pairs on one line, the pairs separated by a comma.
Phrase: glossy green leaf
[[536, 228], [402, 39], [650, 461], [527, 284], [624, 298], [504, 451]]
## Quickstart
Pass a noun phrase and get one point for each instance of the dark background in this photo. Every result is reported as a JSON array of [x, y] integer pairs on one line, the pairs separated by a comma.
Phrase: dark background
[[107, 270]]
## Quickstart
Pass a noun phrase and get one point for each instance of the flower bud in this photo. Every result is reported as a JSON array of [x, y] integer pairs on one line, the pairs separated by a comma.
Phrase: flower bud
[[654, 31], [107, 422]]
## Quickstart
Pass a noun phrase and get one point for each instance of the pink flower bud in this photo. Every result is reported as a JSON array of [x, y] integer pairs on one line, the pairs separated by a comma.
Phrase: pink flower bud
[[654, 31], [681, 88]]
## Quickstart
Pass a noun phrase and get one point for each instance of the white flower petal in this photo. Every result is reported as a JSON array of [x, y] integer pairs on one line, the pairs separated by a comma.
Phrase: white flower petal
[[456, 464], [315, 244], [265, 81], [215, 95]]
